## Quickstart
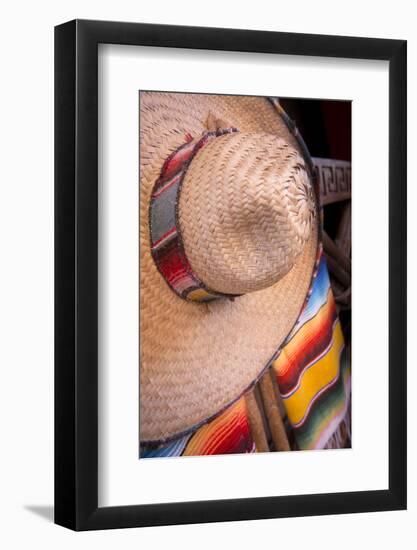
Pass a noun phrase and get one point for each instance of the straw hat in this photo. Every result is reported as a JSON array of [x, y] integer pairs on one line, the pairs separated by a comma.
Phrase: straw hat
[[228, 244]]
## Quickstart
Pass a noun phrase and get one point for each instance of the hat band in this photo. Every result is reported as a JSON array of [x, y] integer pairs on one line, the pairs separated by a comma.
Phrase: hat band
[[167, 247]]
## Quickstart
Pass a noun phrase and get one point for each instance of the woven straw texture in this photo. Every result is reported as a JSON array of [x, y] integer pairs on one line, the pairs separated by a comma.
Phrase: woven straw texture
[[245, 212], [247, 219]]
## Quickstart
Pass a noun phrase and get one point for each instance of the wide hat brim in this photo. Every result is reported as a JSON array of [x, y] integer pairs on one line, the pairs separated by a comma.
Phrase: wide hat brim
[[197, 358]]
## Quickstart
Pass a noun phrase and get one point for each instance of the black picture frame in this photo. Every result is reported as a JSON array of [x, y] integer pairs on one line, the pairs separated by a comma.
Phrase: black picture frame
[[76, 271]]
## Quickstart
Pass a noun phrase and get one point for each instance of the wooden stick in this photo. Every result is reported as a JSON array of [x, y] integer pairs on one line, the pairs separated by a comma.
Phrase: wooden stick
[[331, 248], [338, 272], [256, 423], [344, 297], [276, 425], [344, 231]]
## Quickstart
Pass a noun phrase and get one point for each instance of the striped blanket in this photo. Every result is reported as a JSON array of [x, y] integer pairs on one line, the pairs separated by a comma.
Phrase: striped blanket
[[313, 379]]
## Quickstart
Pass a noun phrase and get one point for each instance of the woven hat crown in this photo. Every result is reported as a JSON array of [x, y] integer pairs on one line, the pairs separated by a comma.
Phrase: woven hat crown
[[246, 210]]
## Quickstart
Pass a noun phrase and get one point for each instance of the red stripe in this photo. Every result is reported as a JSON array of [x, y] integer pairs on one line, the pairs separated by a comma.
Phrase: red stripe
[[175, 162], [232, 436], [166, 186], [171, 266], [306, 351], [170, 232]]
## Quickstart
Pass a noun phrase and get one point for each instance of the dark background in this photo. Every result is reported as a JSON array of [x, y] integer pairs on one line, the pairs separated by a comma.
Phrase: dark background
[[326, 126]]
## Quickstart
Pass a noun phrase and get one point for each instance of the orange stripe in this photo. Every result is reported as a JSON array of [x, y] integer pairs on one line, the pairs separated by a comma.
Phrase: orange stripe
[[296, 347], [208, 437]]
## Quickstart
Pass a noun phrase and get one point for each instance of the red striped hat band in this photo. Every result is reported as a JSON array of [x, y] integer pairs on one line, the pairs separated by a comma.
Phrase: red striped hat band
[[167, 247]]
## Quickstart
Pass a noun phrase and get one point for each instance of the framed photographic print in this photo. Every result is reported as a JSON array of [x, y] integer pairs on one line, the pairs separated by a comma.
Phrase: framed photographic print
[[230, 252]]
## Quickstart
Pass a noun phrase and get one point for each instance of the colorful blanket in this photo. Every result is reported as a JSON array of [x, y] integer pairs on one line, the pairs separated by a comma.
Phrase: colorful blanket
[[313, 377], [312, 370]]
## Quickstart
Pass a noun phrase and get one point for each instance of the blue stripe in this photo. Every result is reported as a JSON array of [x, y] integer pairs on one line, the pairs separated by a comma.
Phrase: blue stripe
[[173, 449], [318, 298]]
